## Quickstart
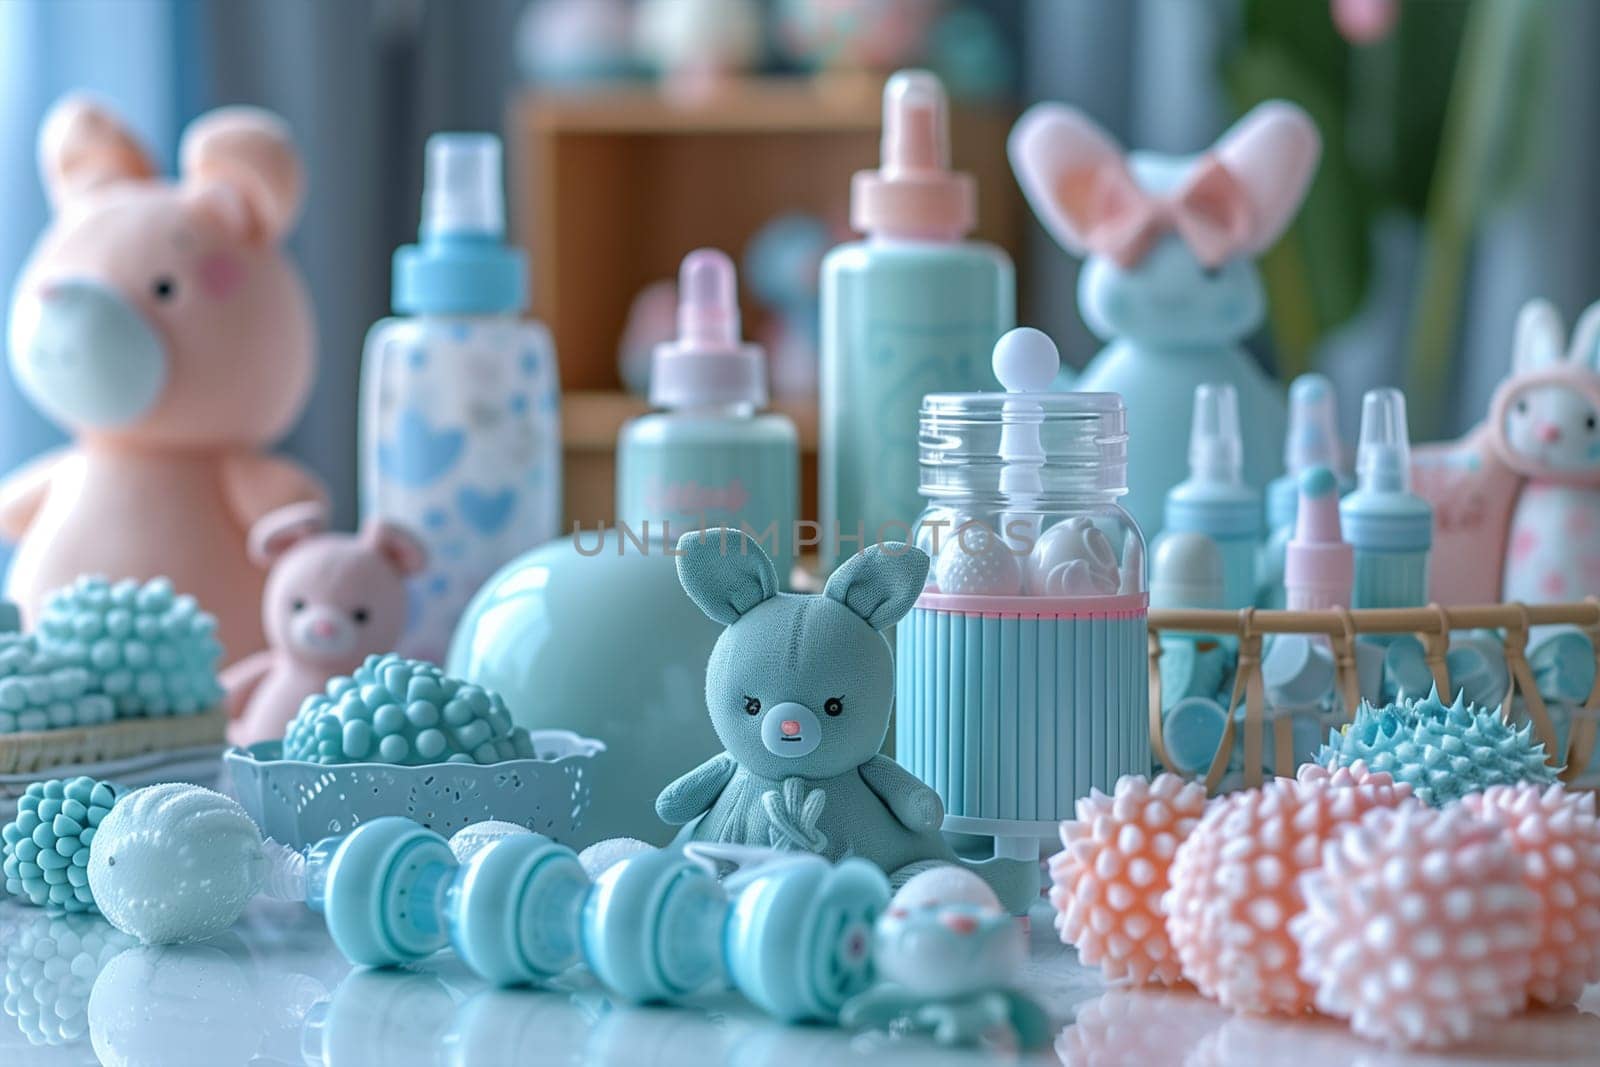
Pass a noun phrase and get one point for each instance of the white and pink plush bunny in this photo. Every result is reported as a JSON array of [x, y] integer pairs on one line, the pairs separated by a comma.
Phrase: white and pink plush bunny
[[1170, 281], [331, 600], [1524, 486]]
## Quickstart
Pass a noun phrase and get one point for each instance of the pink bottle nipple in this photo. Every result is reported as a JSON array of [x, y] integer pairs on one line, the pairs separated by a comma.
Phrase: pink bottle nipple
[[708, 300], [914, 194]]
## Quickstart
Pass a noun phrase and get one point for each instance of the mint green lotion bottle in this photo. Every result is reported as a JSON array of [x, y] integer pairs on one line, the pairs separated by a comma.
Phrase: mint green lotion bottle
[[913, 309], [1215, 500], [708, 459], [1389, 526]]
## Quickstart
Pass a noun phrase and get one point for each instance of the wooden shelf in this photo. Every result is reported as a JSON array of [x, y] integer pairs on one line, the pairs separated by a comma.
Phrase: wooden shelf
[[592, 419]]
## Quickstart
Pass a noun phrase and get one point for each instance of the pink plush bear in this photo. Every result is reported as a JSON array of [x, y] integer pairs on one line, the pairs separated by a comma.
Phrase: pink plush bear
[[161, 324], [331, 600]]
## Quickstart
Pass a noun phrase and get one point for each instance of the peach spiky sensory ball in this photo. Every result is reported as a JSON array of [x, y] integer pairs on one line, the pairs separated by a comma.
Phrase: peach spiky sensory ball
[[1417, 926], [1235, 882], [1109, 879], [1558, 838]]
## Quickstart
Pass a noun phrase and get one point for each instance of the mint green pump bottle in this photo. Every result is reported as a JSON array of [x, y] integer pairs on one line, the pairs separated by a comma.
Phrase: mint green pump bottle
[[913, 309], [709, 458]]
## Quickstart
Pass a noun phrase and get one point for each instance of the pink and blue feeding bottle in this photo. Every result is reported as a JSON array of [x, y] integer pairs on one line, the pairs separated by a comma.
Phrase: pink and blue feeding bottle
[[913, 309], [1312, 441], [708, 458], [460, 404], [1214, 500]]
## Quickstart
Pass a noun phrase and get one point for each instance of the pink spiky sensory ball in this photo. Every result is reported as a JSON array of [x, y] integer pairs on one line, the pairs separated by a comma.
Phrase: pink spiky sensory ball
[[1109, 879], [1235, 882], [1558, 838], [1417, 926]]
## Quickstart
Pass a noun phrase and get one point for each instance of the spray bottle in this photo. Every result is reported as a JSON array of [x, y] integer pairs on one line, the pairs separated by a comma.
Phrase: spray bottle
[[1214, 500], [1389, 527]]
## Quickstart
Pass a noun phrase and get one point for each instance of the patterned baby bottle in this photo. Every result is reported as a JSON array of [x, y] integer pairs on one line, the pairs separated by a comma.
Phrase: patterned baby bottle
[[460, 420], [1021, 674]]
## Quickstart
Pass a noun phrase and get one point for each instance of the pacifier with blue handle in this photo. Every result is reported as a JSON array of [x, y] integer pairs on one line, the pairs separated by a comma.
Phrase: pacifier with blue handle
[[791, 933]]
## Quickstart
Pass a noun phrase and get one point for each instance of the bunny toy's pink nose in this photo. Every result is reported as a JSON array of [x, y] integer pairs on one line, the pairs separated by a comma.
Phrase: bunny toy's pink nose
[[1549, 433], [961, 924], [322, 628], [789, 727]]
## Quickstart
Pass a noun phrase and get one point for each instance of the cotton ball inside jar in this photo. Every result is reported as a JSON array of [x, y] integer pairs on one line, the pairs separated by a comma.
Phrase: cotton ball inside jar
[[175, 863], [975, 561], [1074, 558]]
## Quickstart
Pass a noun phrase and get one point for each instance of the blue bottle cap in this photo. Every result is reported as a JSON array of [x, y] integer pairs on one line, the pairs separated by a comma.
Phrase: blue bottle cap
[[1563, 666], [1192, 730], [1297, 671], [461, 264]]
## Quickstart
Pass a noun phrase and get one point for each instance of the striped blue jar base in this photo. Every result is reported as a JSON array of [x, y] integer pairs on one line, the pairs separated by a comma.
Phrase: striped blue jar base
[[1011, 713]]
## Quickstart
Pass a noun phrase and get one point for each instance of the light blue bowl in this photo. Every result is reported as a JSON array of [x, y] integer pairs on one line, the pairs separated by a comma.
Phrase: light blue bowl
[[606, 644], [298, 803]]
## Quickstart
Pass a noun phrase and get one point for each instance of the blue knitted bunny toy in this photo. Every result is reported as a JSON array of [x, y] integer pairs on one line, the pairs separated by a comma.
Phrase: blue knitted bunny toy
[[799, 688]]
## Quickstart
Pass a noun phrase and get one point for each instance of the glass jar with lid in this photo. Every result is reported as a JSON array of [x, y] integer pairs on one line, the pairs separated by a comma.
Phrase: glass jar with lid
[[1022, 678]]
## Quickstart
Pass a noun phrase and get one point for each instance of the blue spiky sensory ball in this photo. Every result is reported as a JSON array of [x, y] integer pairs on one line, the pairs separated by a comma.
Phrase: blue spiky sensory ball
[[152, 651], [1444, 752], [40, 691], [46, 847], [404, 711]]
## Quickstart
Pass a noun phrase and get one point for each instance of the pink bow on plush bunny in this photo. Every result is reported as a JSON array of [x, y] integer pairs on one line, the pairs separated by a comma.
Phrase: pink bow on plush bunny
[[1235, 200]]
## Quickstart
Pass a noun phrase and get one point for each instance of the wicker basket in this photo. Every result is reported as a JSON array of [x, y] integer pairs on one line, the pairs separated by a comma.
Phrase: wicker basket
[[1432, 625], [40, 751]]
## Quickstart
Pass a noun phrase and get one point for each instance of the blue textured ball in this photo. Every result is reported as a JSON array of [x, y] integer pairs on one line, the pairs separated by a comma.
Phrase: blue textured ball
[[150, 650], [46, 847], [1444, 752], [41, 691], [404, 711]]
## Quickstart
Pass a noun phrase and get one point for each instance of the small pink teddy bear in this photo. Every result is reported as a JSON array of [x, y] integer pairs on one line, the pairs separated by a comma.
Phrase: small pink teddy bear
[[331, 600], [160, 323]]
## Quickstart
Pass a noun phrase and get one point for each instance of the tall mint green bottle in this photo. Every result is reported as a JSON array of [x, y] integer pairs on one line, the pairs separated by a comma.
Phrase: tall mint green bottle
[[709, 458], [912, 309]]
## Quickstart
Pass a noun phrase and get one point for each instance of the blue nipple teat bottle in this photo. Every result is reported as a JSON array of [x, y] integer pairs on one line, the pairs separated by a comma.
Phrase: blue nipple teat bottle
[[1389, 526], [1214, 500]]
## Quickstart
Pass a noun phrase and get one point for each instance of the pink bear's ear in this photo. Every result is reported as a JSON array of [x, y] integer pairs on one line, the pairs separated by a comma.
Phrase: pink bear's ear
[[395, 543], [1273, 152], [278, 531], [244, 170], [81, 146]]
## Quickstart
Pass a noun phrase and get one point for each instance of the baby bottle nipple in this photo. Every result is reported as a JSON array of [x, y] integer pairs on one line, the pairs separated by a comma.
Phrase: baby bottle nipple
[[708, 365], [1383, 454], [1216, 452], [1313, 439], [461, 190], [913, 193]]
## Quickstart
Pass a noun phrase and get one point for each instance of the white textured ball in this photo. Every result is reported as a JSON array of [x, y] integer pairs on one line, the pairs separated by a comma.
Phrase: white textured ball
[[1074, 558], [601, 856], [175, 862], [946, 884], [976, 562], [475, 837]]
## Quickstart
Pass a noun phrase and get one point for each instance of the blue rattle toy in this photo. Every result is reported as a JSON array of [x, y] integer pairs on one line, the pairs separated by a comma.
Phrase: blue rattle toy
[[793, 934]]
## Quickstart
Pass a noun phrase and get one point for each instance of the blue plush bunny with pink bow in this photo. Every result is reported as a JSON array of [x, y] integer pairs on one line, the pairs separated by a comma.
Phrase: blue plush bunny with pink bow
[[799, 688], [1170, 281]]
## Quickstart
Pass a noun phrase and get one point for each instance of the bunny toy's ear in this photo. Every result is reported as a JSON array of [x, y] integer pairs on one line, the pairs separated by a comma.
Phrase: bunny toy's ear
[[880, 583], [245, 170], [1059, 156], [280, 530], [725, 572], [1585, 347], [395, 543], [83, 146], [1540, 340], [1273, 153]]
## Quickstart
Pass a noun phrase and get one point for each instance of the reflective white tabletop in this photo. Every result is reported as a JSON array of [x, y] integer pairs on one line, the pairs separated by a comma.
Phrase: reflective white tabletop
[[274, 991]]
